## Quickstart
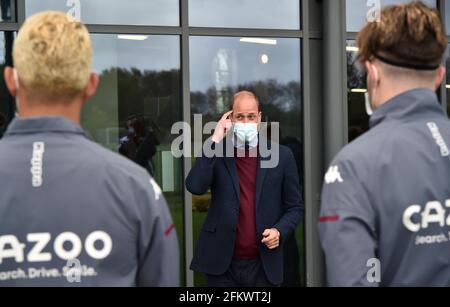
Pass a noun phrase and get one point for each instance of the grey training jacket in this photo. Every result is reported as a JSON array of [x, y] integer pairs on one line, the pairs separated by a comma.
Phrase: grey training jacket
[[75, 214], [385, 216]]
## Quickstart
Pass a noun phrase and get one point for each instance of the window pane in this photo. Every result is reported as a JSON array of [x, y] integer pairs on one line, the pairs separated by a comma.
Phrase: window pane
[[221, 66], [7, 103], [447, 17], [7, 10], [358, 120], [140, 89], [136, 12], [357, 11], [270, 14]]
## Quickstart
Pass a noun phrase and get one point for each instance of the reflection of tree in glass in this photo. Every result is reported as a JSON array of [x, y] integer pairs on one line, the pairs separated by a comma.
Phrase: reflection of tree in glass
[[279, 103], [356, 79], [7, 102], [156, 95], [122, 92]]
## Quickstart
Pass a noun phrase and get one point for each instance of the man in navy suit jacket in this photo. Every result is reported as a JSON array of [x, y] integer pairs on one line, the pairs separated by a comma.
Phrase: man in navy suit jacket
[[253, 208]]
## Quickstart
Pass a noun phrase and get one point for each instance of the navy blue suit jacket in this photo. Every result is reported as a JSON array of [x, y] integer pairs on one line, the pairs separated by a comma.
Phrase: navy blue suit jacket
[[278, 205]]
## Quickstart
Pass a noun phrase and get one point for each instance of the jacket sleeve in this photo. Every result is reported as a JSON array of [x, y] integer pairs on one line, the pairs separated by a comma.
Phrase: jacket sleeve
[[200, 177], [347, 228], [292, 199], [158, 245]]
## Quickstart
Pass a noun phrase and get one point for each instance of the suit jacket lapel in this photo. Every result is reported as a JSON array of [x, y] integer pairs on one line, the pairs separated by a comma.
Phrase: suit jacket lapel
[[260, 176], [230, 163], [231, 166]]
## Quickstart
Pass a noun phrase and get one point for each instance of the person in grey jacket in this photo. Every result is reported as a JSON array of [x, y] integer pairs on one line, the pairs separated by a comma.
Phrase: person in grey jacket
[[71, 212], [386, 196]]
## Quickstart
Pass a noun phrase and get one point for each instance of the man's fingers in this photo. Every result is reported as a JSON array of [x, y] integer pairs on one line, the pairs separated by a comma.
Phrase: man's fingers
[[270, 241], [267, 240], [272, 246], [225, 116], [272, 237], [228, 124]]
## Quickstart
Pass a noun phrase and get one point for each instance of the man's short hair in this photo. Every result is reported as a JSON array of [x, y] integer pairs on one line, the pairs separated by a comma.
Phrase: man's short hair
[[53, 55], [245, 94], [408, 35]]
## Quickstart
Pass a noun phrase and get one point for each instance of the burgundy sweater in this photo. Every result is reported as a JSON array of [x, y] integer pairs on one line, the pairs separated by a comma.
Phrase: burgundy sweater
[[246, 246]]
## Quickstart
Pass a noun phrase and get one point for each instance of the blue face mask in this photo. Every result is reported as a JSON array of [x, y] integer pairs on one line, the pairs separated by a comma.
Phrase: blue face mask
[[246, 132]]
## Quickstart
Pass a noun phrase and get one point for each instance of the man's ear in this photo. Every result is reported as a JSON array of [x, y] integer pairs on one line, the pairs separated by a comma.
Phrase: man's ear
[[372, 73], [91, 87], [440, 75], [9, 80]]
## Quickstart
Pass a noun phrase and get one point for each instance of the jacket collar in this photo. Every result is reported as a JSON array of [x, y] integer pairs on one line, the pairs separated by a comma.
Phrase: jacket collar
[[33, 125], [410, 105]]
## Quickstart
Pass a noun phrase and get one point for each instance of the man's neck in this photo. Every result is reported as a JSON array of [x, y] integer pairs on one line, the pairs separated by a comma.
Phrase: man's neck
[[397, 89], [75, 118], [69, 110]]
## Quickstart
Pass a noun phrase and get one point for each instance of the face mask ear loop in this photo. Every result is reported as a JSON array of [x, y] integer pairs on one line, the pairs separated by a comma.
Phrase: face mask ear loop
[[369, 100], [368, 104]]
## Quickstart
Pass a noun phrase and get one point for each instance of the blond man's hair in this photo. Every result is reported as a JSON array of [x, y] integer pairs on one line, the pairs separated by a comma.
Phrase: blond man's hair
[[53, 56]]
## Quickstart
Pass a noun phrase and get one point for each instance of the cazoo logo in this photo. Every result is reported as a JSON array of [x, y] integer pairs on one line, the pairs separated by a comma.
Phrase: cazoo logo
[[415, 218], [11, 247]]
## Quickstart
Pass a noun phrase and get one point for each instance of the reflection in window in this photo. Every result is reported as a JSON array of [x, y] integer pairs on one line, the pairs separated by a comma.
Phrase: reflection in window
[[136, 12], [358, 120], [447, 17], [7, 103], [135, 106], [221, 66], [6, 10], [269, 14], [359, 11]]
